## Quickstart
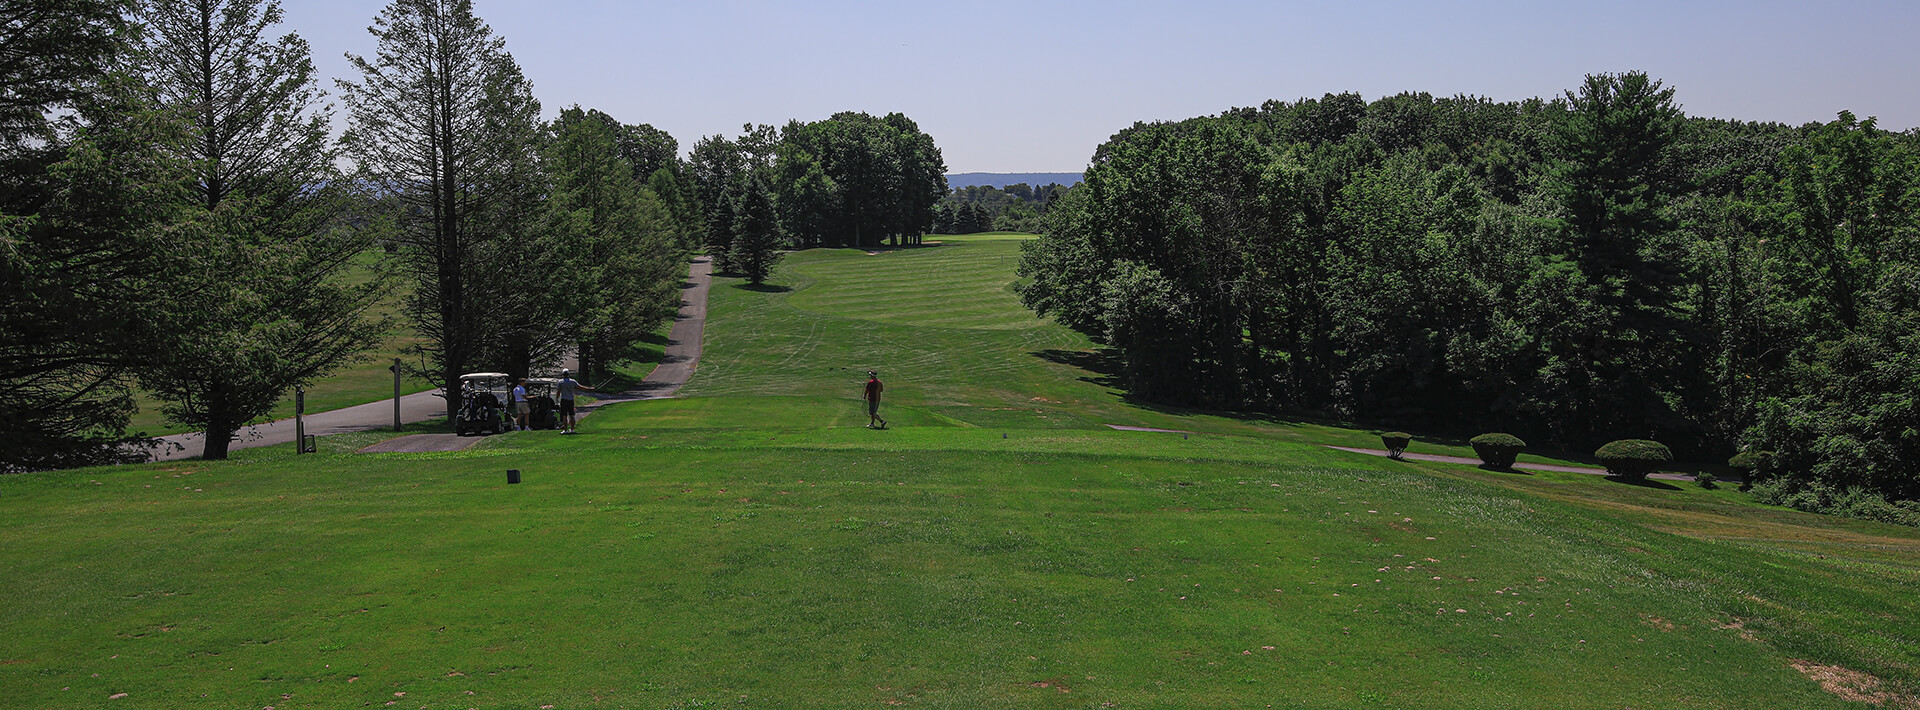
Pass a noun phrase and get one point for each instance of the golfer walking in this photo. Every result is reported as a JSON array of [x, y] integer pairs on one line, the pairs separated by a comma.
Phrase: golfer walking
[[873, 401], [567, 387]]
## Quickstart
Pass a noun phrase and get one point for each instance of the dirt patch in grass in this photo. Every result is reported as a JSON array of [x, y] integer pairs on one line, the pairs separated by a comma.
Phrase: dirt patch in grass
[[1739, 626], [1056, 684], [1854, 686]]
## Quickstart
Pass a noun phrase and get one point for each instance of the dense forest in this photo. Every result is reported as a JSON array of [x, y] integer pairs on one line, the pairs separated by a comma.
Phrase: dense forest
[[1574, 270]]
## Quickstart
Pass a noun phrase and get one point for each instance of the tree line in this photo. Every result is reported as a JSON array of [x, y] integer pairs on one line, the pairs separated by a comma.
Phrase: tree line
[[984, 208], [174, 216], [1590, 267], [852, 180]]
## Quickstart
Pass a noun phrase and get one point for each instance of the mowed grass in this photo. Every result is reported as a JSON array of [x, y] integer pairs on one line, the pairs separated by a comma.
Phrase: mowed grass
[[945, 287], [750, 545]]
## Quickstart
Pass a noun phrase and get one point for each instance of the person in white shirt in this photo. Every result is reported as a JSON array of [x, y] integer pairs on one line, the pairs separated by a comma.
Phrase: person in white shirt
[[521, 407]]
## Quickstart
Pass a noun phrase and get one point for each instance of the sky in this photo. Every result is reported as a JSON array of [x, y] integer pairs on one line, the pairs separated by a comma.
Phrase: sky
[[1036, 86]]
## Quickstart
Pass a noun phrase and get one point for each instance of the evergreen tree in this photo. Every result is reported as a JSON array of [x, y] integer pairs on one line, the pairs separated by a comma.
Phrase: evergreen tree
[[443, 119], [265, 302], [92, 246], [716, 167], [1611, 371], [614, 248], [681, 206], [92, 189], [756, 239]]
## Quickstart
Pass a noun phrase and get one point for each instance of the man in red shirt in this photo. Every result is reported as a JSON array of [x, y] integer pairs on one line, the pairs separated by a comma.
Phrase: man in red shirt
[[873, 400]]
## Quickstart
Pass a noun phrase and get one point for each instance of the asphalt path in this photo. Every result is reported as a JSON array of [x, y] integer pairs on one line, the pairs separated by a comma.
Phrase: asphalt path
[[682, 356]]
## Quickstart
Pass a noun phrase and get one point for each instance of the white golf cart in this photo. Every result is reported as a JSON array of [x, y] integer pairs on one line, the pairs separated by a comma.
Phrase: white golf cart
[[483, 410], [544, 394]]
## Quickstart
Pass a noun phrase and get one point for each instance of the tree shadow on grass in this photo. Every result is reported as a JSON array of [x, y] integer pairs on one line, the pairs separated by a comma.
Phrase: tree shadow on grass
[[1643, 483], [903, 247], [1504, 469], [763, 288], [1103, 365]]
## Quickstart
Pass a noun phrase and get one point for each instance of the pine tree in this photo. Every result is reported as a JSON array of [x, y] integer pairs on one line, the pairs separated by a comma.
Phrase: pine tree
[[443, 120], [756, 239], [265, 304], [1614, 364], [93, 187], [617, 260]]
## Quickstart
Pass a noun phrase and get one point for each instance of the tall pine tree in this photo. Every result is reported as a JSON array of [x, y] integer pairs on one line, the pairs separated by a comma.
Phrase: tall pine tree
[[267, 304], [443, 120]]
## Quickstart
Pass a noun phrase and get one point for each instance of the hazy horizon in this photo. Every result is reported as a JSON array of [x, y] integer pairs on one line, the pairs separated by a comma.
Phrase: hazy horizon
[[1009, 91]]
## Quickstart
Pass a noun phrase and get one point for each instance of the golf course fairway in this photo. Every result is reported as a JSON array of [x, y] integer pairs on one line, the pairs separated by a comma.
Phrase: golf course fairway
[[751, 544]]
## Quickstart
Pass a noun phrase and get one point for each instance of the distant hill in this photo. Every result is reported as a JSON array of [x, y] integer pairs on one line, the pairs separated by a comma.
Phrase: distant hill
[[959, 180]]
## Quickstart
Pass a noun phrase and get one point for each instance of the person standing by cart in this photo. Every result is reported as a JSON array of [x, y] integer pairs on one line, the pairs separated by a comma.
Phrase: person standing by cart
[[522, 407], [873, 401], [567, 386]]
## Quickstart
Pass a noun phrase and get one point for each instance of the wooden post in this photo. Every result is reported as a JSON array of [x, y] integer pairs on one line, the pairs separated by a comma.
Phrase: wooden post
[[299, 424], [396, 394]]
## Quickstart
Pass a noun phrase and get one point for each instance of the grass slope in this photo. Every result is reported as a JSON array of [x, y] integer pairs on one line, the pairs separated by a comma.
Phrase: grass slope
[[750, 545]]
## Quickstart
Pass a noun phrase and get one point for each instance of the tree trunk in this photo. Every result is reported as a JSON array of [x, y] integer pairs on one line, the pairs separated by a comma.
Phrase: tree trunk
[[219, 439], [452, 385]]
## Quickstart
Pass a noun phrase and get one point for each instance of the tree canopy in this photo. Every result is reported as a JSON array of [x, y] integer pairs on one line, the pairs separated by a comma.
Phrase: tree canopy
[[1591, 267]]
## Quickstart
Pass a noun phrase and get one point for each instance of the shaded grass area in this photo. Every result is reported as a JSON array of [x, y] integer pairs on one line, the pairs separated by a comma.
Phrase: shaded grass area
[[638, 361]]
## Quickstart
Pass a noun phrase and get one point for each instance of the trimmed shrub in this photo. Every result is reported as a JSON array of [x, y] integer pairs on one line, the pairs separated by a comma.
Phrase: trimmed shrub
[[1706, 479], [1751, 464], [1396, 442], [1633, 459], [1497, 451]]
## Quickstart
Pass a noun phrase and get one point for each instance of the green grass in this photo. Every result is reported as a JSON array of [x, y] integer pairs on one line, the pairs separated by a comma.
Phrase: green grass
[[750, 545]]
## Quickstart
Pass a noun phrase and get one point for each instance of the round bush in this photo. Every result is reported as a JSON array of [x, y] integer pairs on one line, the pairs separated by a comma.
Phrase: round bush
[[1396, 442], [1633, 459], [1750, 463], [1496, 450]]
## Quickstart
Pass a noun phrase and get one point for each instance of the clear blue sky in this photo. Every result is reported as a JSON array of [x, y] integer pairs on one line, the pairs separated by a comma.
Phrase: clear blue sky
[[1035, 86]]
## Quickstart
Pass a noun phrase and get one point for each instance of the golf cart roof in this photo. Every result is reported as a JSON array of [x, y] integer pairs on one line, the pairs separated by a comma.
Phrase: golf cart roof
[[483, 376]]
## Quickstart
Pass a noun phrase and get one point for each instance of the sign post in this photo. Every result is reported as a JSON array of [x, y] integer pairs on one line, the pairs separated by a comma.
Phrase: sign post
[[396, 393], [299, 424]]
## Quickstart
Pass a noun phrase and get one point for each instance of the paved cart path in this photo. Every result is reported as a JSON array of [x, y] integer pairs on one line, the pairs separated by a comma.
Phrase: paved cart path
[[417, 407], [682, 355], [677, 363]]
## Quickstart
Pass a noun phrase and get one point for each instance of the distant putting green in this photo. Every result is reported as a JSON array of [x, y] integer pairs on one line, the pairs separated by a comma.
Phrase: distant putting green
[[751, 545]]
